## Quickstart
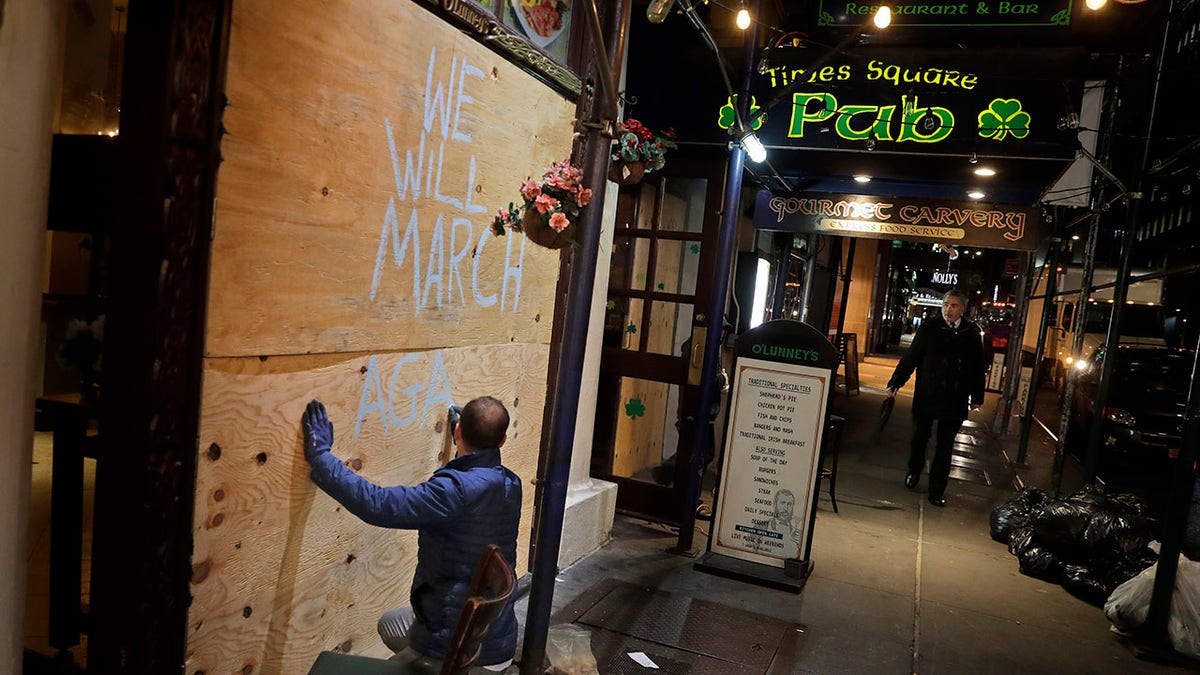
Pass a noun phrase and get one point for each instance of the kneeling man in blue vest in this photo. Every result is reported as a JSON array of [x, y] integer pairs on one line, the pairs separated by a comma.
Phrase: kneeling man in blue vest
[[467, 504]]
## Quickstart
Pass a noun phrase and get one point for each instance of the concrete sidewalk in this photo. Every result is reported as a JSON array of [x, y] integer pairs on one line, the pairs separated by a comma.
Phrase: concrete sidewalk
[[898, 586]]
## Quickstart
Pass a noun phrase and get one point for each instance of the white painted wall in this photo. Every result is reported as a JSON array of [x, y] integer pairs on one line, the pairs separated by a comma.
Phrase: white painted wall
[[29, 61], [591, 503]]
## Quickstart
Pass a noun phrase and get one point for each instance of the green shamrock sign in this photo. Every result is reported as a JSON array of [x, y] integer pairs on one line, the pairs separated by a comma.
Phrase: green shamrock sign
[[728, 114], [631, 328], [695, 248], [1003, 117], [635, 408]]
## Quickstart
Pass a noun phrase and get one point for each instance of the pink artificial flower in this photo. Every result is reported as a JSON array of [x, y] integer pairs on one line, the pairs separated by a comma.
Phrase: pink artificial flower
[[530, 190], [557, 181], [503, 213], [545, 203], [584, 196], [559, 222]]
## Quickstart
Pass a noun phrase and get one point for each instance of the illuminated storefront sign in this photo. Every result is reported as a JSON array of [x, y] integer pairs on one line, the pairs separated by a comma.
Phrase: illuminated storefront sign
[[978, 13], [925, 101], [935, 221]]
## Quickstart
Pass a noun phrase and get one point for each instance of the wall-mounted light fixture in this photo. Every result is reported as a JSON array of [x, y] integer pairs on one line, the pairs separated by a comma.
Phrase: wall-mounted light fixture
[[753, 147], [976, 194], [985, 171], [860, 178]]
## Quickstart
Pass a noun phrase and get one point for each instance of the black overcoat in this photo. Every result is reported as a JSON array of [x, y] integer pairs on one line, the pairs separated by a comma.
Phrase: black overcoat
[[950, 369]]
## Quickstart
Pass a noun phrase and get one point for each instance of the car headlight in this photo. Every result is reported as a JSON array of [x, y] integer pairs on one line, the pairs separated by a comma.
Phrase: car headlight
[[1118, 416]]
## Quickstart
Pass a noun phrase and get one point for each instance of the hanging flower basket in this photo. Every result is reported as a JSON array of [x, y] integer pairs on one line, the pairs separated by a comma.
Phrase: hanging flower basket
[[542, 234], [550, 209], [637, 152], [626, 173]]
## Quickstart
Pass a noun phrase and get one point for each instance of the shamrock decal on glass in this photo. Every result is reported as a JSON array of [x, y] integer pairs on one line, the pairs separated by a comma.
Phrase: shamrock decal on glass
[[631, 328], [728, 114], [635, 408], [610, 305], [1003, 117], [695, 248]]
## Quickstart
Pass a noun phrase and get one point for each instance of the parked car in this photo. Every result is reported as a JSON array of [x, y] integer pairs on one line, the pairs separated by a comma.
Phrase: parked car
[[1142, 423]]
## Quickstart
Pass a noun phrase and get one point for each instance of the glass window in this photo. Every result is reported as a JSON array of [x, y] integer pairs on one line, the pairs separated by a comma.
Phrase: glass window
[[92, 65], [683, 205], [630, 263], [670, 325], [675, 266], [645, 432]]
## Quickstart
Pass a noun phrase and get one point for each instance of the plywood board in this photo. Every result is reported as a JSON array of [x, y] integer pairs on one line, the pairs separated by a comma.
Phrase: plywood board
[[280, 570], [368, 144]]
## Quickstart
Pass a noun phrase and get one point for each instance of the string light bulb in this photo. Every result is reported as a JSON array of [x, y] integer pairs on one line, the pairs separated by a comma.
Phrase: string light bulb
[[1095, 4], [883, 16], [743, 18]]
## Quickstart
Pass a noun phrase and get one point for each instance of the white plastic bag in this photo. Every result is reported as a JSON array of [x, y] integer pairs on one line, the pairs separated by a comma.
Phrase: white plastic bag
[[569, 649], [1129, 604]]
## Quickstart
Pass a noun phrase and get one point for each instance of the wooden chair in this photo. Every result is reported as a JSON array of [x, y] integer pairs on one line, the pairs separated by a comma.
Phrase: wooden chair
[[488, 594], [491, 587], [831, 446]]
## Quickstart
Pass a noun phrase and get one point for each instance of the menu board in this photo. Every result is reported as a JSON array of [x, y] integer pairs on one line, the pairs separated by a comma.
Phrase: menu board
[[772, 450]]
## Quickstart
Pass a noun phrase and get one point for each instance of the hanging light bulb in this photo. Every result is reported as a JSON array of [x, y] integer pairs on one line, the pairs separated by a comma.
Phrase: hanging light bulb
[[764, 61], [743, 18], [883, 16], [1095, 4]]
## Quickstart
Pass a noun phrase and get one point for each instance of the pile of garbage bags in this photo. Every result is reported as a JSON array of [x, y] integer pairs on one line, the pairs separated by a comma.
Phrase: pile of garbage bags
[[1089, 542]]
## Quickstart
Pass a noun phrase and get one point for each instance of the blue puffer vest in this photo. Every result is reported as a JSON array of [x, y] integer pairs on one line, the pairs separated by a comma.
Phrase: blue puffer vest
[[471, 502]]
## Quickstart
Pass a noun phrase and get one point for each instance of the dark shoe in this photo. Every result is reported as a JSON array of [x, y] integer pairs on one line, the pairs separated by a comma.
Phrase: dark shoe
[[910, 480], [937, 501]]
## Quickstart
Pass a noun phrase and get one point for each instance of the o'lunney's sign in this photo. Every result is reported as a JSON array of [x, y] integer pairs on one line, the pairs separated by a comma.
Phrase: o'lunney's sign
[[967, 223]]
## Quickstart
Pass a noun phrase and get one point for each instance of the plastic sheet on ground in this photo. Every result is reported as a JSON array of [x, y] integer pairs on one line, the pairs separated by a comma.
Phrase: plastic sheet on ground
[[1129, 604]]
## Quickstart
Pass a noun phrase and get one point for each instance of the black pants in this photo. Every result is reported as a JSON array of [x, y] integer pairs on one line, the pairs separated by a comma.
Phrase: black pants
[[939, 470]]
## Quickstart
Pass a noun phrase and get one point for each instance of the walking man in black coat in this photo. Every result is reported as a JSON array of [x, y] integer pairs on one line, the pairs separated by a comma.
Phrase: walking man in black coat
[[947, 353]]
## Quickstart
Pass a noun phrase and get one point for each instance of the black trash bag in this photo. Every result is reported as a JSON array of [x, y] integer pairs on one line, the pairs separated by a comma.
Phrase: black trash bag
[[1132, 533], [1100, 535], [1021, 511], [1040, 563], [1090, 495], [1132, 504], [1082, 583], [1059, 527], [1127, 567], [1006, 518], [1032, 496], [1020, 539]]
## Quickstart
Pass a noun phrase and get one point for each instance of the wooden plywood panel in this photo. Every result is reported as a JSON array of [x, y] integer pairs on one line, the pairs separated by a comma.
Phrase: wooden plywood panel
[[368, 144], [280, 570], [637, 445]]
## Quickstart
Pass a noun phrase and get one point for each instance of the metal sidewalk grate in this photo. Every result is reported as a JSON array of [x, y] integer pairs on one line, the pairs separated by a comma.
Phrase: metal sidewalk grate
[[681, 634]]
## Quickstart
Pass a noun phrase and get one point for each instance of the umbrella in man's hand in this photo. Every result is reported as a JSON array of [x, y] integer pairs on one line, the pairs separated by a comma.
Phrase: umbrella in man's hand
[[885, 410]]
